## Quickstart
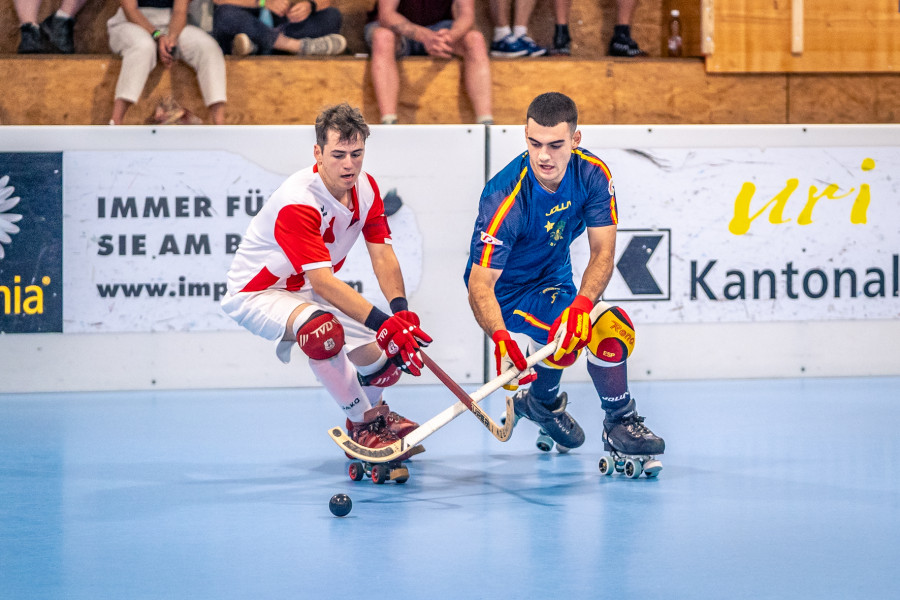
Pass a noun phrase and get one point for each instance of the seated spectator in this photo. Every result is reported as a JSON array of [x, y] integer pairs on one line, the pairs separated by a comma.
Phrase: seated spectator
[[438, 28], [54, 35], [305, 27], [513, 41], [144, 31], [621, 43]]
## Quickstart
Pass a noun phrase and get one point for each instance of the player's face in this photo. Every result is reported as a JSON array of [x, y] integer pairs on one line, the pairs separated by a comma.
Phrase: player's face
[[549, 151], [340, 162]]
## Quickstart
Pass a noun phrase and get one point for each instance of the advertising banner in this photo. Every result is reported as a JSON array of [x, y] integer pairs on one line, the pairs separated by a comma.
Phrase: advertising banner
[[31, 235], [744, 234]]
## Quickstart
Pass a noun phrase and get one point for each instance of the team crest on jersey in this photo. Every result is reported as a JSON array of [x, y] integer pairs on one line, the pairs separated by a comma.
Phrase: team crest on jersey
[[556, 231], [612, 188], [489, 239]]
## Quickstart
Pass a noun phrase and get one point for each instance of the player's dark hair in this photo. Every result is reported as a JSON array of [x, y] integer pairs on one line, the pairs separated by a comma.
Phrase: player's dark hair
[[344, 119], [552, 108]]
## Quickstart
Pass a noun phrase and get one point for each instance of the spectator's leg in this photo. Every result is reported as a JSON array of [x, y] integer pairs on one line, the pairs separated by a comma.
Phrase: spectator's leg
[[625, 11], [385, 72], [202, 53], [229, 21], [27, 10], [477, 73], [321, 23], [138, 52]]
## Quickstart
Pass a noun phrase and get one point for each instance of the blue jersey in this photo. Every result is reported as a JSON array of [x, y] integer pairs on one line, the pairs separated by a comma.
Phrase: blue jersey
[[526, 231]]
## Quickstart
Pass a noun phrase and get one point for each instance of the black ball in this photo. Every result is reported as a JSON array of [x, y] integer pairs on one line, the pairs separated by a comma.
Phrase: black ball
[[340, 505]]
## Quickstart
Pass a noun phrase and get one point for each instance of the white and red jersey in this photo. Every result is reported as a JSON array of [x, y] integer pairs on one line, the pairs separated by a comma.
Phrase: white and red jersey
[[302, 227]]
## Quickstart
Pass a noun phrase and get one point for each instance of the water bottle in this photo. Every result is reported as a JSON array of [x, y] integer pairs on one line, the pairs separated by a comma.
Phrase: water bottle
[[675, 33]]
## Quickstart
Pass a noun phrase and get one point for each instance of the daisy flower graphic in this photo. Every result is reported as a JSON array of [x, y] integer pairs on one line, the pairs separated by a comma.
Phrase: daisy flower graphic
[[7, 219]]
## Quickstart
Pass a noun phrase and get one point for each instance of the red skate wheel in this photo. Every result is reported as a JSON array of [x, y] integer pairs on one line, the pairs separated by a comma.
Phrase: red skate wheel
[[379, 473], [357, 471]]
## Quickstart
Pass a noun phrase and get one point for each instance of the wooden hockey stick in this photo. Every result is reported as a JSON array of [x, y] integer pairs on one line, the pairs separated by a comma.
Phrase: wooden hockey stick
[[415, 437], [501, 433]]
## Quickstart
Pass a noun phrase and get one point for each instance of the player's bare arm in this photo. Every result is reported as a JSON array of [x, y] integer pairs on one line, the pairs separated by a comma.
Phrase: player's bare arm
[[482, 299], [602, 242], [387, 270], [339, 294]]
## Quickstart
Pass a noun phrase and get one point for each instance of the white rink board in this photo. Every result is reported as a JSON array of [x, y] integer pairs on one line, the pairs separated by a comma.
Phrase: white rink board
[[438, 171], [179, 338]]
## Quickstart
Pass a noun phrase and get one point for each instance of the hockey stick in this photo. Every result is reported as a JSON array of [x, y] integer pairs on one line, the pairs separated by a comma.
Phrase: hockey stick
[[415, 437], [501, 433]]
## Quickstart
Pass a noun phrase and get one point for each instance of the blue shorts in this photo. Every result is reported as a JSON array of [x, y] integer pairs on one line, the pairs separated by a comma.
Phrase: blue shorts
[[406, 46], [533, 313]]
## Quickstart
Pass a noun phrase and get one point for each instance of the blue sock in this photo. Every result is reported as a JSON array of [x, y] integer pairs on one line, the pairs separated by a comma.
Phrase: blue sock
[[611, 384], [546, 387]]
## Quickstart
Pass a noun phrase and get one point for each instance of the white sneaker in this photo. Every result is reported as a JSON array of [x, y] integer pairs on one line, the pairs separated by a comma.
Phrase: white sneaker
[[242, 46], [327, 45]]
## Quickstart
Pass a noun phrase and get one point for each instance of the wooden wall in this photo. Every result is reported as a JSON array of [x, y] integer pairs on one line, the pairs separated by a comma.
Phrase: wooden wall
[[852, 36], [78, 89], [268, 90]]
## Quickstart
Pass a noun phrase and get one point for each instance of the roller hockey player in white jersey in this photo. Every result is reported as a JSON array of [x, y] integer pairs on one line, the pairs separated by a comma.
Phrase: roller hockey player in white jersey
[[282, 284], [519, 278]]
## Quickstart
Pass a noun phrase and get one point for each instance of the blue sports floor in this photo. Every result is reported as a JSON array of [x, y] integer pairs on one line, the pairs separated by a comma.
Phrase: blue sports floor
[[771, 489]]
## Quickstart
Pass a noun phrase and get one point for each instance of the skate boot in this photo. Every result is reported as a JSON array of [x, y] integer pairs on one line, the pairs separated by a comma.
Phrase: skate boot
[[631, 445], [553, 420], [400, 425], [374, 431]]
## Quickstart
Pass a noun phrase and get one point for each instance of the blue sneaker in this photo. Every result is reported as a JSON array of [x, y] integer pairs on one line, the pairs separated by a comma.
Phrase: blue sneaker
[[509, 47], [533, 48]]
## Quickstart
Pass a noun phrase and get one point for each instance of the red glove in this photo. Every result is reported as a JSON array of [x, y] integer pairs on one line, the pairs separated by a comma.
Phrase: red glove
[[508, 355], [402, 339], [408, 316], [571, 331]]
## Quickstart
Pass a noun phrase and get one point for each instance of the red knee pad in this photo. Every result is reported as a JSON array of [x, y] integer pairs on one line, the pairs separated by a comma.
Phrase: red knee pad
[[321, 336]]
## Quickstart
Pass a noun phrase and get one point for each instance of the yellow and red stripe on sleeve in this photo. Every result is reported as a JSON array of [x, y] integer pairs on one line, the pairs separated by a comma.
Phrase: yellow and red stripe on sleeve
[[613, 209], [497, 220]]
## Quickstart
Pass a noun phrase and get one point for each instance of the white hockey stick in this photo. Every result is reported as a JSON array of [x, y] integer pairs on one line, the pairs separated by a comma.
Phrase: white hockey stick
[[415, 437]]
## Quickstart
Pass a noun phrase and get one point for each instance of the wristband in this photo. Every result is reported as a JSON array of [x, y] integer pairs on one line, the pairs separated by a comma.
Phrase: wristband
[[375, 319], [399, 303], [313, 6], [262, 3], [156, 35]]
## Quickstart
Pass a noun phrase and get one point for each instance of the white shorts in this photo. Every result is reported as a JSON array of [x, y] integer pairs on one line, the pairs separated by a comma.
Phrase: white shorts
[[266, 314]]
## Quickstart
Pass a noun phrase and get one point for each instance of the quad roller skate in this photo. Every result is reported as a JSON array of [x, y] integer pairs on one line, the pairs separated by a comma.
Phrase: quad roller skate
[[380, 428], [631, 445]]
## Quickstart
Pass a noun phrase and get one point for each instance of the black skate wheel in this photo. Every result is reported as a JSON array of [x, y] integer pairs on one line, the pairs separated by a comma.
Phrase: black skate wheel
[[356, 471], [607, 466], [379, 473], [633, 468]]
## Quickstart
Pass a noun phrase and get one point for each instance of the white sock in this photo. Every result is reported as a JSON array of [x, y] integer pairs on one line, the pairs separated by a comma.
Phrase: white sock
[[501, 32], [519, 30], [63, 14], [373, 393], [338, 375]]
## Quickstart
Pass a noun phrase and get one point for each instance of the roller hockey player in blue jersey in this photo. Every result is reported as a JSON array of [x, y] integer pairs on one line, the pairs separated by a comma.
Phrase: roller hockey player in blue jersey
[[521, 288]]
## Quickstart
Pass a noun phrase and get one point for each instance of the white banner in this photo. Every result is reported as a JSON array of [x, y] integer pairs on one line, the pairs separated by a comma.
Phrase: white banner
[[150, 234], [748, 233]]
